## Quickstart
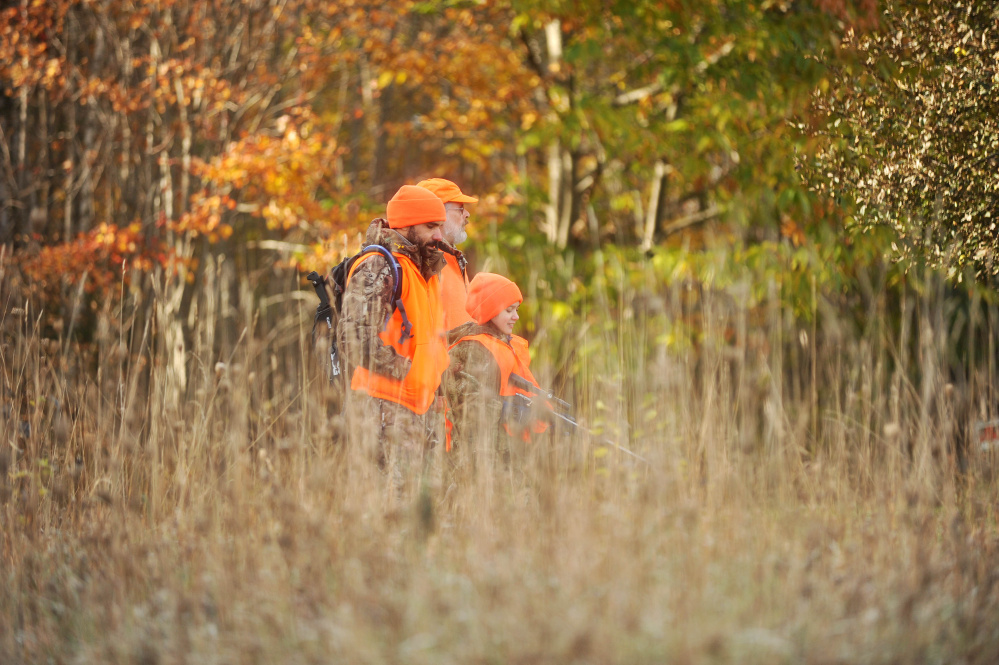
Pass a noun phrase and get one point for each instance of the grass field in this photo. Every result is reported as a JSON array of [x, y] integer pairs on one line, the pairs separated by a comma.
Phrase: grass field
[[801, 502]]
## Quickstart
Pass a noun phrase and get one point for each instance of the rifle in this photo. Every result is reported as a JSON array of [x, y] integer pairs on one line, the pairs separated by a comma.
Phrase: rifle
[[324, 311], [555, 407]]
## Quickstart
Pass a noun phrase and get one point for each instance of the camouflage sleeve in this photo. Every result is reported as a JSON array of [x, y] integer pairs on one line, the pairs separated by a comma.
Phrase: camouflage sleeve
[[367, 303], [473, 387], [455, 334]]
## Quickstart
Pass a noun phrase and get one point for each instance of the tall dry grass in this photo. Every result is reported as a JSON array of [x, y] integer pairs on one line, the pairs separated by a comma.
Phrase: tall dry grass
[[800, 500]]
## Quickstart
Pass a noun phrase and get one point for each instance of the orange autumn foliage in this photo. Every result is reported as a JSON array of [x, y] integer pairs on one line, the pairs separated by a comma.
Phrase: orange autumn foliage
[[102, 257], [279, 176]]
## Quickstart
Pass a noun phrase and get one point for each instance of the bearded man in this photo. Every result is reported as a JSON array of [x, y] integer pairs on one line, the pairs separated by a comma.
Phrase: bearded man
[[394, 350]]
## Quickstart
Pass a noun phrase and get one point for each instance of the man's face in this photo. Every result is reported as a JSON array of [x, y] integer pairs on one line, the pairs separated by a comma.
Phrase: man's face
[[454, 227], [425, 234]]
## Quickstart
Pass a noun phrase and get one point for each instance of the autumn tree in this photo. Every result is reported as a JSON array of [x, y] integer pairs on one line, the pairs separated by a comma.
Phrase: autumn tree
[[118, 121], [913, 133], [660, 116], [144, 142]]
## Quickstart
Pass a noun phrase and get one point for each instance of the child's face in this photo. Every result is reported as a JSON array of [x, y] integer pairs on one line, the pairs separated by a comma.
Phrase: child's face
[[506, 318]]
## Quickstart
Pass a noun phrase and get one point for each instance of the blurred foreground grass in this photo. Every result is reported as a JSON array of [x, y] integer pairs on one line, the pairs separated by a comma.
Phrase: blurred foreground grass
[[801, 503]]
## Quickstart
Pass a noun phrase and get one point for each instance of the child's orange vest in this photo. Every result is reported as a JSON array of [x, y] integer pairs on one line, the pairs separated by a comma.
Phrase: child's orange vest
[[512, 358]]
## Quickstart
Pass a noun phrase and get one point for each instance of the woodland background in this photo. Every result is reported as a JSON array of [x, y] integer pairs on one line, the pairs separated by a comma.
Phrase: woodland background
[[757, 242], [801, 141]]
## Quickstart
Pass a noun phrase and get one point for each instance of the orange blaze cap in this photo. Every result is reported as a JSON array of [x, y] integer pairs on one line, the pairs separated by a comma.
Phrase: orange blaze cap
[[489, 294], [446, 191], [414, 205]]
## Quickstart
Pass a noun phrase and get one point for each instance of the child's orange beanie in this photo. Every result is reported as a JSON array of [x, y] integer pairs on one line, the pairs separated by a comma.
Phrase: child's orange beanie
[[414, 205], [489, 294]]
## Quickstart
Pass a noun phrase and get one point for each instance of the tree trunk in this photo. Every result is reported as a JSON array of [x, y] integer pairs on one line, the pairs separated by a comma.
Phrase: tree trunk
[[554, 191], [654, 208], [151, 203], [185, 147], [372, 122], [40, 190], [556, 163], [88, 151], [569, 201], [69, 188], [22, 151]]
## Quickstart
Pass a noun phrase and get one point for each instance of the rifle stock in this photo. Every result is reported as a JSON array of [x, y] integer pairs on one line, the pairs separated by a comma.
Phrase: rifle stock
[[326, 312], [319, 284]]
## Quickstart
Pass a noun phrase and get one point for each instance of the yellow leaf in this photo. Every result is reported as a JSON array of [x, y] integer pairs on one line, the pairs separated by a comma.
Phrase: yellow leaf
[[560, 311]]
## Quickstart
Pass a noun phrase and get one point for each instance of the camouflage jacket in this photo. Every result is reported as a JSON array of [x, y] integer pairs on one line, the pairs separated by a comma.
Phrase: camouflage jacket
[[367, 303], [472, 382]]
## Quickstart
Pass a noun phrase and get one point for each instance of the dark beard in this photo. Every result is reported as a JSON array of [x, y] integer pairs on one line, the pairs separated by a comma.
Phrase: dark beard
[[431, 260]]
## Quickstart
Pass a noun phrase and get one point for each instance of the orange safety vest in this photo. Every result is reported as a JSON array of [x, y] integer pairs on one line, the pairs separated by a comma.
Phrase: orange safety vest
[[454, 287], [426, 348], [512, 358]]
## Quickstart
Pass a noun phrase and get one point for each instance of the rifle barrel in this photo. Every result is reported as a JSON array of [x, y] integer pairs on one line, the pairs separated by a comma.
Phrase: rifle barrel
[[521, 383]]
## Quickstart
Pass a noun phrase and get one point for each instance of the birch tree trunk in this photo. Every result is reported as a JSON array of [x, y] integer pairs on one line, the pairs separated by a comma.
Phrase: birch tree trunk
[[556, 162], [554, 191], [185, 146], [150, 203], [654, 208]]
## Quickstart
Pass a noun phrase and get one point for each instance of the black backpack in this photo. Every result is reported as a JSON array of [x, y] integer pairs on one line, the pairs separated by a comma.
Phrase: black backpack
[[330, 311]]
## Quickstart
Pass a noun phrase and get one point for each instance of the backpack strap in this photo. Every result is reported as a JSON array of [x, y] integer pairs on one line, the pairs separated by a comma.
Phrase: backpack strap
[[407, 327]]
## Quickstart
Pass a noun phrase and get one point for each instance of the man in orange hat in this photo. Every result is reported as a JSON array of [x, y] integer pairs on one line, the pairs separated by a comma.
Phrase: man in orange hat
[[454, 278], [394, 348]]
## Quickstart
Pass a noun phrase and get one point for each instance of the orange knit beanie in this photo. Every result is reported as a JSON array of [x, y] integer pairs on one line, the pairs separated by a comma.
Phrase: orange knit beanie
[[414, 205], [489, 294]]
